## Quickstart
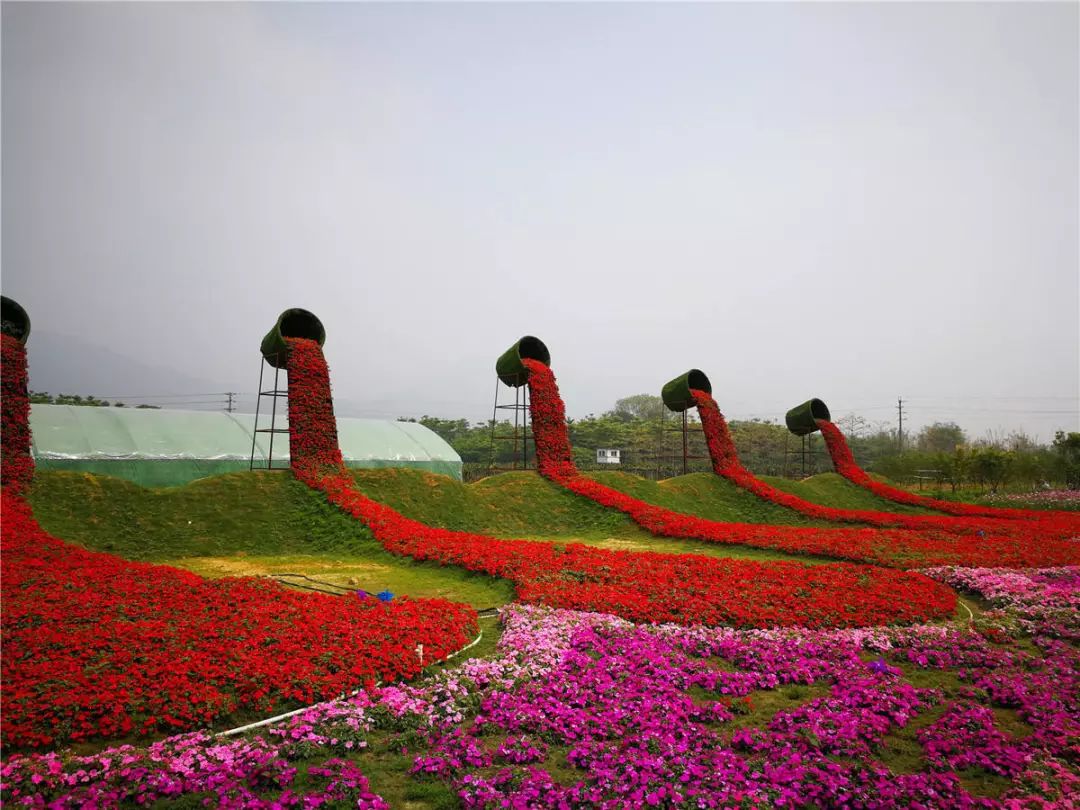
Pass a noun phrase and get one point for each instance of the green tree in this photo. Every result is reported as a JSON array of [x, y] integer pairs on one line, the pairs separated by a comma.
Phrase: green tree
[[638, 407], [953, 467], [44, 398], [1067, 451], [940, 437], [854, 426], [991, 466]]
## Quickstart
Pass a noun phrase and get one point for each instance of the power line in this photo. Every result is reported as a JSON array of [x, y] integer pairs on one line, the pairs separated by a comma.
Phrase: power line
[[172, 405], [162, 396], [976, 396], [900, 432], [949, 409]]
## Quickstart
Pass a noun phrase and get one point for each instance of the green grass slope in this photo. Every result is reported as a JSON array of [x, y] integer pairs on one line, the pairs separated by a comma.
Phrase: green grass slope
[[710, 496], [238, 513], [832, 489], [268, 523], [706, 495], [242, 524], [522, 504], [516, 504]]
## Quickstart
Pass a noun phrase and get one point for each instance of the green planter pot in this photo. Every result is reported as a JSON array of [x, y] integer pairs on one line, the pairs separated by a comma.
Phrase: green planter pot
[[801, 420], [14, 320], [509, 366], [676, 394], [295, 323]]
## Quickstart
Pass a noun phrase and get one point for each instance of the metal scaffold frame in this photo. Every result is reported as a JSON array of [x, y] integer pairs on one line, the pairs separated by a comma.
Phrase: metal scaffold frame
[[521, 435], [274, 394]]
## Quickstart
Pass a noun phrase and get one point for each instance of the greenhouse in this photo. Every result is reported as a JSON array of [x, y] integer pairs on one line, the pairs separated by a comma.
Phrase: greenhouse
[[157, 448]]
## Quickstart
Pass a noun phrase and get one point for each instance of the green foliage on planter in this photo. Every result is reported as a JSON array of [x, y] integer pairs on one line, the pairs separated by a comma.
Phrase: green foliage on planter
[[676, 394], [802, 419], [14, 322], [291, 323], [509, 366]]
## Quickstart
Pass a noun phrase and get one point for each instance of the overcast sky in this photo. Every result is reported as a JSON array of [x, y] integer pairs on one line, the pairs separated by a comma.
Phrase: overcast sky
[[853, 202]]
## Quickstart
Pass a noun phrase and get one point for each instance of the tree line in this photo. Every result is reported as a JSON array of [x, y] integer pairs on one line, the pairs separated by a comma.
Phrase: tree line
[[45, 398], [651, 441]]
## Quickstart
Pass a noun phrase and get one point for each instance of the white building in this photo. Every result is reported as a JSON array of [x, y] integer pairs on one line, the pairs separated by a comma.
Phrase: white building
[[606, 456]]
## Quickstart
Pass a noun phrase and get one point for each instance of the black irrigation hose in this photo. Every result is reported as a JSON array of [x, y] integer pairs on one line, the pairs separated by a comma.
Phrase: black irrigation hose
[[307, 587], [310, 579], [485, 613]]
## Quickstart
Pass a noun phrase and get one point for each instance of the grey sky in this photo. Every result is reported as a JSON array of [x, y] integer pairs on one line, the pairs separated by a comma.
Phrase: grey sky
[[844, 201]]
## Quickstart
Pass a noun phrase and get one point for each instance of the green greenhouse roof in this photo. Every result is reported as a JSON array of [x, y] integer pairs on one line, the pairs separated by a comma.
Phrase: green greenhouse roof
[[68, 433]]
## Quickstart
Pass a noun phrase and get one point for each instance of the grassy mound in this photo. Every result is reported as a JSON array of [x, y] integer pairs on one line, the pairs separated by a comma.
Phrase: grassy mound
[[832, 489], [517, 504], [239, 513], [710, 496], [242, 524], [706, 495], [264, 523], [522, 504]]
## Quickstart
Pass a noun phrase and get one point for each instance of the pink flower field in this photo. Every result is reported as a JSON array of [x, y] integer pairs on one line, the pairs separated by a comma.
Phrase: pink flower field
[[589, 710]]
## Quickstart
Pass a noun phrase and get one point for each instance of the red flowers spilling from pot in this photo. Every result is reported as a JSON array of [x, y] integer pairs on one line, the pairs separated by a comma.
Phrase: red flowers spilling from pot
[[16, 463], [901, 548], [844, 463], [725, 462], [94, 646], [641, 586]]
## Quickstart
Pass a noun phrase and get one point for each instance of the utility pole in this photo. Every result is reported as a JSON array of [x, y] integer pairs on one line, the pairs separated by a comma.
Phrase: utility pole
[[900, 432], [230, 407]]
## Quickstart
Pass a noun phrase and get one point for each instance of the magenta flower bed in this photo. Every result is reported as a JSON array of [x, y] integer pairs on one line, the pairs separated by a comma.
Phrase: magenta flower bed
[[588, 710], [1042, 601]]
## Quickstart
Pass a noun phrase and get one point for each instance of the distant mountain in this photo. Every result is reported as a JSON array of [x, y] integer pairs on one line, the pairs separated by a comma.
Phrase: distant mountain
[[66, 365]]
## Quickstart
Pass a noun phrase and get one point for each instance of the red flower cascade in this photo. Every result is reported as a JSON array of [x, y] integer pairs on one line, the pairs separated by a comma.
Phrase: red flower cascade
[[894, 547], [95, 646], [725, 461], [16, 463], [640, 586], [844, 463]]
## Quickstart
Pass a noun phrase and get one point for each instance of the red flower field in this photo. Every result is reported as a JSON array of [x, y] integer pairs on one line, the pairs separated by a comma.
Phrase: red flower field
[[96, 646]]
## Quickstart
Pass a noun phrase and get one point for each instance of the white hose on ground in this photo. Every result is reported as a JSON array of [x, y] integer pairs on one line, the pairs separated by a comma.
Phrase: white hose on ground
[[971, 616], [277, 718]]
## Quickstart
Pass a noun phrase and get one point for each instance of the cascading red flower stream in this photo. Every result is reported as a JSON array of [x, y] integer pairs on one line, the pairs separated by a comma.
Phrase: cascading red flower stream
[[844, 463], [16, 463], [641, 586], [894, 547], [94, 646], [725, 462]]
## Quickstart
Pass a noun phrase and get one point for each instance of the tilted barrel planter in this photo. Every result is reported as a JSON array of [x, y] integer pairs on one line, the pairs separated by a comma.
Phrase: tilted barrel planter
[[676, 394], [14, 322], [509, 366], [292, 323], [802, 419]]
